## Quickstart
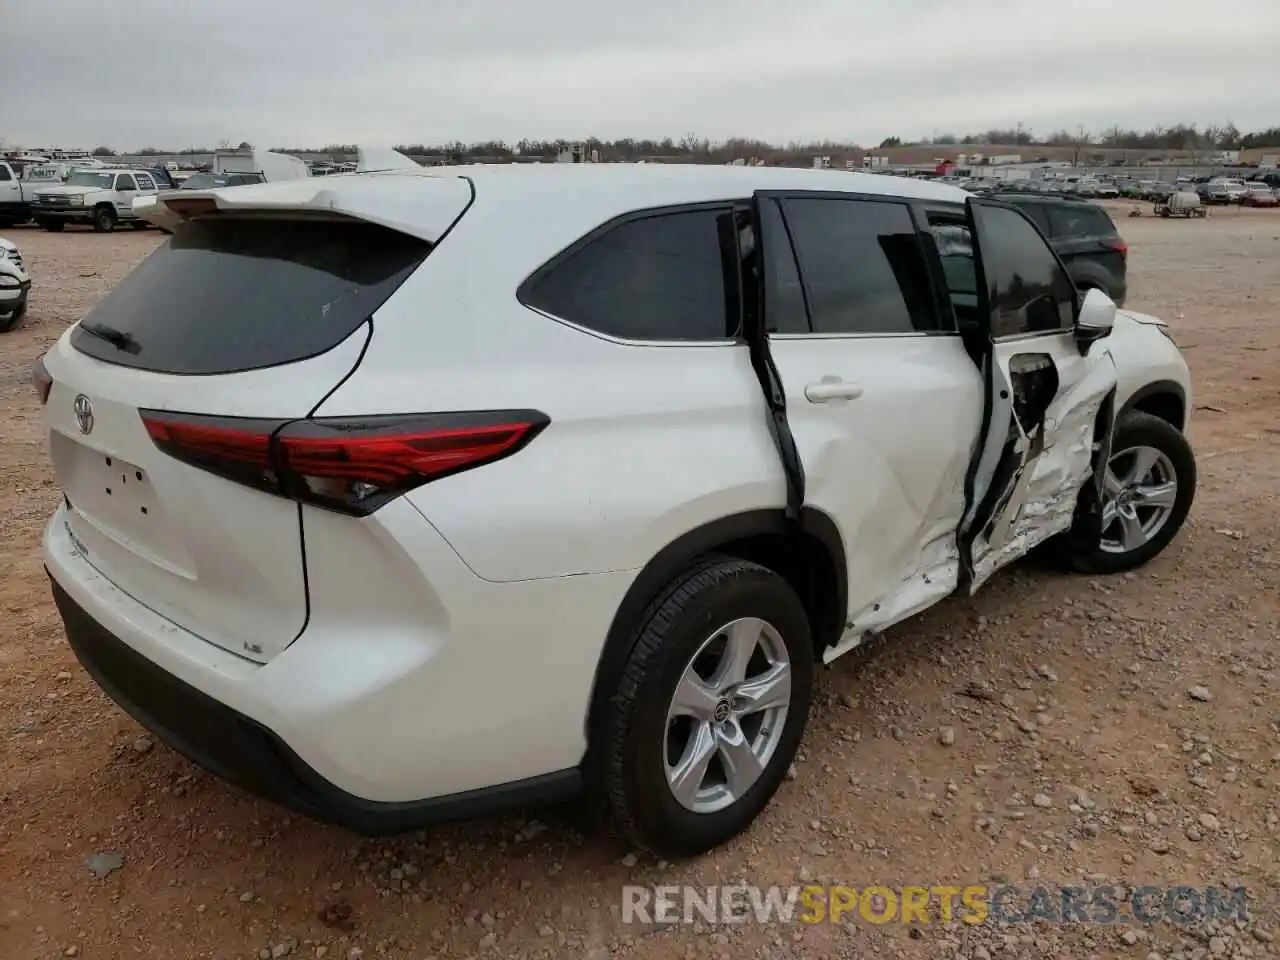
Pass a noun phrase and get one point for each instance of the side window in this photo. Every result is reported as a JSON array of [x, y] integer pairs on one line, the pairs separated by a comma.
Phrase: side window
[[125, 182], [145, 182], [1081, 221], [955, 250], [862, 265], [784, 310], [1038, 213], [661, 277], [5, 175], [1030, 292]]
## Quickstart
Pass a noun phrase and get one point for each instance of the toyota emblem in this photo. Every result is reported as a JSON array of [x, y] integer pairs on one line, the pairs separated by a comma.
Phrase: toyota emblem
[[83, 410]]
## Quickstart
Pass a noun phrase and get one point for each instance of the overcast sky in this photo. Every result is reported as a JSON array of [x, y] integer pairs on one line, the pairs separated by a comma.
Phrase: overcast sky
[[174, 73]]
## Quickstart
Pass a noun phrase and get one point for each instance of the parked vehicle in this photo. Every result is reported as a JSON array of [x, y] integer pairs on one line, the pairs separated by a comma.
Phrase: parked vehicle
[[527, 572], [1085, 237], [15, 285], [1222, 191], [15, 196], [230, 170], [1259, 195], [1184, 203], [100, 198], [1156, 191]]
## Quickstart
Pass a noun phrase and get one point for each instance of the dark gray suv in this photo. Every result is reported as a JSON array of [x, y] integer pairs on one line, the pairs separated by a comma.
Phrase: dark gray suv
[[1084, 236]]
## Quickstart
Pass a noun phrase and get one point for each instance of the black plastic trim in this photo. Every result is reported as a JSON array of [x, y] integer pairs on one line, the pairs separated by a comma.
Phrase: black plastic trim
[[246, 754], [755, 329], [1159, 388]]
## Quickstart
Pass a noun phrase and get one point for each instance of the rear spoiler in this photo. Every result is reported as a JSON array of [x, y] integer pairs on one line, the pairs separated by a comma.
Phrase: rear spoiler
[[369, 159], [391, 201]]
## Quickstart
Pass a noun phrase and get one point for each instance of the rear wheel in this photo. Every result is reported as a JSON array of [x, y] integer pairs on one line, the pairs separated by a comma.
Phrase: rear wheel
[[710, 709], [104, 219], [1150, 484]]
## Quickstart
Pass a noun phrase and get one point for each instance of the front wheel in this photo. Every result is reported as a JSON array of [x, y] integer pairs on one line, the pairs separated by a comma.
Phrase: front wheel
[[1149, 485], [710, 709], [104, 220]]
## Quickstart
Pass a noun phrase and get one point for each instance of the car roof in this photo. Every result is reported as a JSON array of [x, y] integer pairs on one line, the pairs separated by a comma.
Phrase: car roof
[[580, 197]]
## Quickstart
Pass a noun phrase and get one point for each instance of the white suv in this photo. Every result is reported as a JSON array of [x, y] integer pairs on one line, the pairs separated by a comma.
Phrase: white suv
[[412, 495]]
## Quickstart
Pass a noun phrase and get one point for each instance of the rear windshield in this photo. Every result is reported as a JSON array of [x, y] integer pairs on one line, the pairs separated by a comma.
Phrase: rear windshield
[[234, 294]]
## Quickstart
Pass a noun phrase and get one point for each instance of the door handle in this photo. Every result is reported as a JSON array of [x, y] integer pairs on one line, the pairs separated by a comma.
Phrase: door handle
[[831, 388]]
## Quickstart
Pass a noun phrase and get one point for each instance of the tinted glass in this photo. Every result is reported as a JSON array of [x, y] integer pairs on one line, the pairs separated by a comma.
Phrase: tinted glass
[[862, 265], [125, 182], [1029, 291], [656, 278], [784, 310], [223, 295], [1081, 221], [1038, 213], [955, 249], [4, 174], [145, 182]]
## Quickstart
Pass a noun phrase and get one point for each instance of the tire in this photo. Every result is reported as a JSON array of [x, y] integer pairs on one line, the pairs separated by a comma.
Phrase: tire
[[1134, 431], [104, 219], [640, 741], [15, 318], [53, 226]]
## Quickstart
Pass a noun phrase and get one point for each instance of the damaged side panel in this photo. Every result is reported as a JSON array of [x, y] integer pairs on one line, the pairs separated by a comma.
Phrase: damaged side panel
[[1049, 453]]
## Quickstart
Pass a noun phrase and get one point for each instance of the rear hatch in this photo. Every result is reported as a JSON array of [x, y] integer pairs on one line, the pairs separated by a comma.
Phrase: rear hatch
[[238, 324]]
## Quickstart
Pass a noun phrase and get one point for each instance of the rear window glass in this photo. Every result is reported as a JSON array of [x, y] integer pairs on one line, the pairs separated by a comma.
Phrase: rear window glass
[[659, 277], [226, 295], [1081, 221]]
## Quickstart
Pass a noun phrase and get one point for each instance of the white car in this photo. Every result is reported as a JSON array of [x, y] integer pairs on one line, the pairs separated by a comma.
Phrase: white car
[[412, 495], [15, 285]]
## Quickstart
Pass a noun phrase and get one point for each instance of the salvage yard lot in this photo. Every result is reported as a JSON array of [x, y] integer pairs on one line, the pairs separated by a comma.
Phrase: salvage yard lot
[[1084, 759]]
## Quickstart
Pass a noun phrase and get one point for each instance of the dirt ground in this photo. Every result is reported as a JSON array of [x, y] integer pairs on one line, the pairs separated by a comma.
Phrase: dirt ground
[[1084, 759]]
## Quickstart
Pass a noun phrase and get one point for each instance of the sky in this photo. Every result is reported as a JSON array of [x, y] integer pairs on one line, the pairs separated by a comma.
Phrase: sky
[[300, 73]]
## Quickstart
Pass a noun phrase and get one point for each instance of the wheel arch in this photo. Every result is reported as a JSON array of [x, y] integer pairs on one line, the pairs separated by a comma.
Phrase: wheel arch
[[811, 559], [1165, 399]]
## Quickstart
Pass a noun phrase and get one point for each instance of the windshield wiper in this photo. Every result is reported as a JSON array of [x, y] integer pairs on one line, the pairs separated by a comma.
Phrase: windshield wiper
[[117, 338]]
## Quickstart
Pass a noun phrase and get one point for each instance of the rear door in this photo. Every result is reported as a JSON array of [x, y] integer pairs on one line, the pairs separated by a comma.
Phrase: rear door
[[1048, 404], [250, 322], [882, 400]]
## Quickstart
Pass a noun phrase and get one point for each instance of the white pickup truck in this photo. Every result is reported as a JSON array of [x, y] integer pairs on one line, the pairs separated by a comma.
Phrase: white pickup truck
[[101, 198], [15, 196]]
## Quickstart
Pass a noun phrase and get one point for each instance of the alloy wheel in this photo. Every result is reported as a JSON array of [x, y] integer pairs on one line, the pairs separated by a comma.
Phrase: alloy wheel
[[727, 715], [1141, 489]]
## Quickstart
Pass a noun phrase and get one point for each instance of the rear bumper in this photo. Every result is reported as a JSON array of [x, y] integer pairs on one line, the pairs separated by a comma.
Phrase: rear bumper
[[246, 754], [376, 726]]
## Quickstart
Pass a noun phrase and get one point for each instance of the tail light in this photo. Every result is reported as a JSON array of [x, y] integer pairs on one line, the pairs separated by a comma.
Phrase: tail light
[[41, 380], [352, 465], [1118, 245]]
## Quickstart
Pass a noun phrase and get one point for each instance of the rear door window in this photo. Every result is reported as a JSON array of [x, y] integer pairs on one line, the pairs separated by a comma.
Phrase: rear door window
[[1080, 221], [862, 265], [224, 295], [657, 277]]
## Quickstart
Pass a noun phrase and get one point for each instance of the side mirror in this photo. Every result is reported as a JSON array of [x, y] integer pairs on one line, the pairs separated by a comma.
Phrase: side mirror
[[1096, 320]]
